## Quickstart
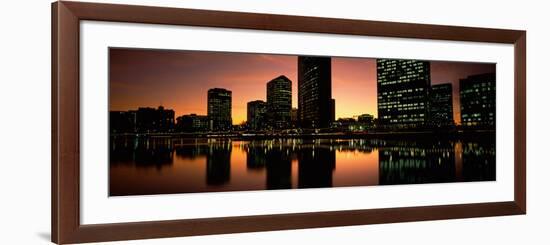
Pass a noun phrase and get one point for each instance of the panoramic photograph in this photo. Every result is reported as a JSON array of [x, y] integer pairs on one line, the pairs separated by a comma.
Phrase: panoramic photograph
[[198, 121]]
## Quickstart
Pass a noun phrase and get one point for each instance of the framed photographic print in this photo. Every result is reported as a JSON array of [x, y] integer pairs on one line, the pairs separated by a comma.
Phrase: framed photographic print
[[176, 122]]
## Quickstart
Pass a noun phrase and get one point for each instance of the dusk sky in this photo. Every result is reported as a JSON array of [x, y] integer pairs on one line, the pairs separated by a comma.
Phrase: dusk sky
[[179, 80]]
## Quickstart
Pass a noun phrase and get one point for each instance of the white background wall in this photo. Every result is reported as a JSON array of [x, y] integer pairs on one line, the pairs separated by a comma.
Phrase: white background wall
[[25, 121]]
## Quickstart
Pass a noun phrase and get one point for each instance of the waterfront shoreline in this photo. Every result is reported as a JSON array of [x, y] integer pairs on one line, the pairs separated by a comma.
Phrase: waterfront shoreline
[[339, 135]]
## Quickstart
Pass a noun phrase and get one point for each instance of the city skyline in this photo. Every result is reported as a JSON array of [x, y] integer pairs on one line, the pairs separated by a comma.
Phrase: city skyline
[[148, 78], [394, 116]]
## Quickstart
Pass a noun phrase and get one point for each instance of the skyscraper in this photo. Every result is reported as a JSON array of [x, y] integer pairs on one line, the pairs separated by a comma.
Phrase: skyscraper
[[441, 105], [402, 92], [219, 109], [256, 114], [315, 92], [279, 102], [478, 100]]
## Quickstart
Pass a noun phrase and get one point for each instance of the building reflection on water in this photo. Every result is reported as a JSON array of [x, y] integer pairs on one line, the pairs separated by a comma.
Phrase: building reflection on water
[[166, 165], [218, 164]]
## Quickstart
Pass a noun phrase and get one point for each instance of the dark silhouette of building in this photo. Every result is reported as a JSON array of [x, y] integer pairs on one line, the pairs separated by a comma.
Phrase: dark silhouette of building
[[192, 123], [403, 92], [165, 119], [256, 114], [294, 117], [279, 102], [151, 120], [332, 115], [122, 121], [219, 109], [315, 104], [142, 120], [350, 124], [345, 124], [366, 120], [146, 119], [478, 100], [441, 105]]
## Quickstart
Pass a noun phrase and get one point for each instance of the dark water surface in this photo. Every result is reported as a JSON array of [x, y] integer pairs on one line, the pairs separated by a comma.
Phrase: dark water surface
[[163, 165]]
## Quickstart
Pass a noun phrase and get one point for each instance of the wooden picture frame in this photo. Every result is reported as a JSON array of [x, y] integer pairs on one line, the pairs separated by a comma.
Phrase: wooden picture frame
[[65, 175]]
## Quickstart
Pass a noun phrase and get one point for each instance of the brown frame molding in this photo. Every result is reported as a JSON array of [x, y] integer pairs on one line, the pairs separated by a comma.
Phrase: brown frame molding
[[66, 227]]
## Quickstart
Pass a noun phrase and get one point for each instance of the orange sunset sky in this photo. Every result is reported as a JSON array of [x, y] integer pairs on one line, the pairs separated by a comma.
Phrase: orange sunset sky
[[179, 80]]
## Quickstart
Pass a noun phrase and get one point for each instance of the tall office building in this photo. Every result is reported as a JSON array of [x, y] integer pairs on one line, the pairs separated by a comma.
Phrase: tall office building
[[478, 100], [441, 105], [219, 109], [315, 104], [279, 102], [256, 114], [403, 87]]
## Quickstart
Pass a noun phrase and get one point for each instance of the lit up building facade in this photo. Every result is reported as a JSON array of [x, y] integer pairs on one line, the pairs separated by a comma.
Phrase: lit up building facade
[[478, 100], [315, 104], [279, 102], [441, 105], [219, 109], [256, 114], [403, 89]]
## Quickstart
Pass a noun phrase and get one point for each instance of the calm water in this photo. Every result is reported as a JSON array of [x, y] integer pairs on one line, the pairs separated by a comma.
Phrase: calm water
[[141, 166]]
